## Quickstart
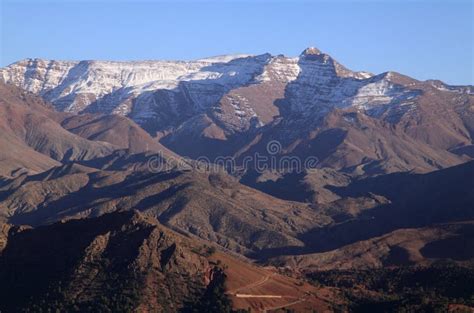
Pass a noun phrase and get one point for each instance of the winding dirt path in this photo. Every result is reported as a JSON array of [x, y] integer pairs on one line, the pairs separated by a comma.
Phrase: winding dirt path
[[252, 285], [235, 293]]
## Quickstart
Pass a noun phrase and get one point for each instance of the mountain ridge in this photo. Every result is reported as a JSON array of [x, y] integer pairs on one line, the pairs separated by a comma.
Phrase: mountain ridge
[[230, 103]]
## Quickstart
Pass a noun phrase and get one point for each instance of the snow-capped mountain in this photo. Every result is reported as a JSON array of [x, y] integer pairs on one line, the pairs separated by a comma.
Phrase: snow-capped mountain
[[230, 105], [162, 94], [126, 88]]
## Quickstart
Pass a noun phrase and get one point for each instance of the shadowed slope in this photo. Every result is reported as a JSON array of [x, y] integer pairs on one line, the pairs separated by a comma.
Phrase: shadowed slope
[[128, 262]]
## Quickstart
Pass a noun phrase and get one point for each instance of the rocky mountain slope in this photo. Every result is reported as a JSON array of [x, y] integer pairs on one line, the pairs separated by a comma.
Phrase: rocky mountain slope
[[403, 247], [399, 201], [115, 259], [33, 139], [36, 138], [127, 262], [212, 206]]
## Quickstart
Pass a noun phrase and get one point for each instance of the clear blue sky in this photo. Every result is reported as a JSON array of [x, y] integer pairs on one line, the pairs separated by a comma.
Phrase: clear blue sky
[[423, 39]]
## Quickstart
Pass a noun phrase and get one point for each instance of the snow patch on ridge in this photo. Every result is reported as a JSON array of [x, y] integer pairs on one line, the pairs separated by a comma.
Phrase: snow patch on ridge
[[165, 93]]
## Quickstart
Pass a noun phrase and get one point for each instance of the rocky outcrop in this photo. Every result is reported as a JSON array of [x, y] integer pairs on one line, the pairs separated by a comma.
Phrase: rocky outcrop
[[124, 260]]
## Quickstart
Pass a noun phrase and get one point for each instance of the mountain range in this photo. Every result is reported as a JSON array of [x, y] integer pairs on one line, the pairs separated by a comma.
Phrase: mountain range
[[113, 151]]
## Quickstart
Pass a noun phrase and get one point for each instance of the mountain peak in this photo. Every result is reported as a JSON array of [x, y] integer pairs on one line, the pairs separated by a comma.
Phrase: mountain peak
[[311, 51]]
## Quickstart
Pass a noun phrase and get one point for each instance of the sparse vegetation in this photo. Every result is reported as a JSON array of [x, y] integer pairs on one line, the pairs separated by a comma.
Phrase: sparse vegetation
[[403, 289]]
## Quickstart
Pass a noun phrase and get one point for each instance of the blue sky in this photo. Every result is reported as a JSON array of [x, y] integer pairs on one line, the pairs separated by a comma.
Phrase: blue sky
[[423, 39]]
